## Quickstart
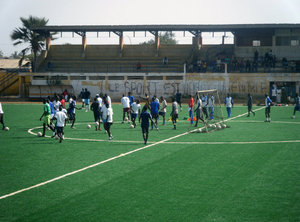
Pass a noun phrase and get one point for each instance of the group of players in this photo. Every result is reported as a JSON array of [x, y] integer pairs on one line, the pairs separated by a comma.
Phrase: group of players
[[54, 109]]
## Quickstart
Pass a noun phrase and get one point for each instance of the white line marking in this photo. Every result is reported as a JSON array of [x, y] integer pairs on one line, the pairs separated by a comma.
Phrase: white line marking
[[245, 142], [107, 160]]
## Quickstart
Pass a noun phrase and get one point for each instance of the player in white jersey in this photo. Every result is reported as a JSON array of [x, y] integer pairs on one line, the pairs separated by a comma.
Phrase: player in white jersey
[[135, 111], [107, 99], [61, 118], [107, 115], [174, 113], [2, 117], [126, 107], [268, 103], [228, 104], [297, 105], [56, 104], [163, 109]]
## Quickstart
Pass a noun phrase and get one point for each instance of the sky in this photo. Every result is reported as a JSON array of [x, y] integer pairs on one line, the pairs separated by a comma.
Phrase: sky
[[133, 12]]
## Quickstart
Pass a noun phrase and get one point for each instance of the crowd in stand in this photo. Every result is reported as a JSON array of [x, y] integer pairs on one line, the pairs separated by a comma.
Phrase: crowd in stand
[[265, 63]]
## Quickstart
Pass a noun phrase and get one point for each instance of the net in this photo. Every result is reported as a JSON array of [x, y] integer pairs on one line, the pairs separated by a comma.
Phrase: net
[[208, 113]]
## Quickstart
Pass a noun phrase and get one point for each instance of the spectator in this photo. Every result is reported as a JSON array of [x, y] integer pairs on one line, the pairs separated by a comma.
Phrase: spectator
[[138, 66], [165, 61]]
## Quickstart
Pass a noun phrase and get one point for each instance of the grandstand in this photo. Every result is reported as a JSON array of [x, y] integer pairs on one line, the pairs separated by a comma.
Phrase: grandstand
[[259, 56]]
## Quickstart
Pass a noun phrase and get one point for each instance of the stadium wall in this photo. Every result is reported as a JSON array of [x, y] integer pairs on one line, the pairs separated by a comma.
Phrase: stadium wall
[[159, 84]]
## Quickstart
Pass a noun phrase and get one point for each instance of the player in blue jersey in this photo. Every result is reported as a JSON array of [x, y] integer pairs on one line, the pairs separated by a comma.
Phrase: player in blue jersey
[[228, 104], [154, 112], [145, 117], [268, 103], [297, 105]]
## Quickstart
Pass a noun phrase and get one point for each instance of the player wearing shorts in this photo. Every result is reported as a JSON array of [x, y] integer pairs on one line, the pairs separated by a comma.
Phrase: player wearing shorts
[[100, 103], [297, 105], [60, 117], [86, 97], [211, 107], [198, 111], [174, 113], [126, 107], [163, 109], [107, 116], [71, 111], [145, 117], [154, 112], [2, 117], [96, 111], [191, 109], [250, 102], [46, 117], [228, 104], [178, 99], [268, 103], [135, 111], [204, 105]]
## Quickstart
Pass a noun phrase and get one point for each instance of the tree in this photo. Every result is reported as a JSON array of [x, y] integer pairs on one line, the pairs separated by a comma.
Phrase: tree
[[16, 55], [25, 35], [166, 38], [1, 54]]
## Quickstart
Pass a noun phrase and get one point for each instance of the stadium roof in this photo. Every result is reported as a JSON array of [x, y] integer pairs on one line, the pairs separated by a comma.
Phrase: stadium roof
[[155, 28]]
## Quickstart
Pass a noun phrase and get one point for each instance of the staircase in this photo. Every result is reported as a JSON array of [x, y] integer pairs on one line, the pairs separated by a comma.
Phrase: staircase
[[8, 80]]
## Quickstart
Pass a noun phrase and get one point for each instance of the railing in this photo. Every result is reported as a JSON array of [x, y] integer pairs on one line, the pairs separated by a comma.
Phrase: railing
[[109, 68]]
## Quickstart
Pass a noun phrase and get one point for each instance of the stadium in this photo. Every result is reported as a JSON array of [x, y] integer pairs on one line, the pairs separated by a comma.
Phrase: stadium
[[230, 167]]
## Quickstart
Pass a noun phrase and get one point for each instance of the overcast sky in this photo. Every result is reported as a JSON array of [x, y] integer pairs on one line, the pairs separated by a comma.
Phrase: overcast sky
[[123, 12]]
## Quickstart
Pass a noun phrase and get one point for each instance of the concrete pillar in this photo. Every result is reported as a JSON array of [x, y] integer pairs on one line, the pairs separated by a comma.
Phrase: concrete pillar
[[121, 43], [83, 44], [157, 43], [197, 41], [48, 43]]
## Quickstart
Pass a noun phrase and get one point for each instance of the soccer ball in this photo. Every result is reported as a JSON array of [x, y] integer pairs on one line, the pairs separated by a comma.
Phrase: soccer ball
[[209, 125], [199, 130], [39, 134], [6, 128], [224, 126], [214, 126], [219, 126], [96, 123], [56, 137], [131, 126], [88, 126], [126, 118]]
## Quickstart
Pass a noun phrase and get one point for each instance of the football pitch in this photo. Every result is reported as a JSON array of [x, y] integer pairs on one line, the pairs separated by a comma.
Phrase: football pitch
[[248, 172]]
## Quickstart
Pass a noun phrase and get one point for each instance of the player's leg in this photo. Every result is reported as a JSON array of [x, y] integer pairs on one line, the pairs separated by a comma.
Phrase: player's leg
[[156, 121], [73, 120], [2, 120], [44, 129], [249, 110], [108, 131], [191, 116], [174, 117], [145, 131], [123, 116], [146, 134]]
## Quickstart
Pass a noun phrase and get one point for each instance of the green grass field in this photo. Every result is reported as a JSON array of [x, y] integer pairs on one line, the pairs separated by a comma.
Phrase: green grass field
[[248, 172]]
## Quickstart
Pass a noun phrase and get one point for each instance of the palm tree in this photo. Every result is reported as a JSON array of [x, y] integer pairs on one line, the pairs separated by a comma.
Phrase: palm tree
[[25, 35]]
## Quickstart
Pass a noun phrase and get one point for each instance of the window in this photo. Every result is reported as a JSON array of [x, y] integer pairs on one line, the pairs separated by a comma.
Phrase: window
[[294, 42], [256, 43]]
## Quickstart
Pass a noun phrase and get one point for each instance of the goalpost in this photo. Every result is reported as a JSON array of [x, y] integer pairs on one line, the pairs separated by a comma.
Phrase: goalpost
[[211, 114]]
